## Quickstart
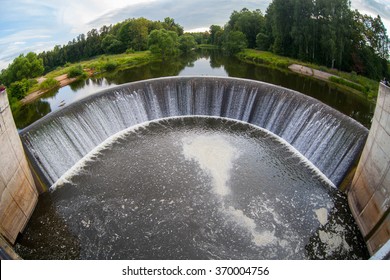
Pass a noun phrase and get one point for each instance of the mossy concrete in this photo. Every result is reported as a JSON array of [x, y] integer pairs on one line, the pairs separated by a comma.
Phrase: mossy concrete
[[369, 195], [18, 195]]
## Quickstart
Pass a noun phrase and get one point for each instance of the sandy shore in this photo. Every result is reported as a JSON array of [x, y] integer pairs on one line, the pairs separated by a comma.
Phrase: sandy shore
[[63, 79], [307, 71]]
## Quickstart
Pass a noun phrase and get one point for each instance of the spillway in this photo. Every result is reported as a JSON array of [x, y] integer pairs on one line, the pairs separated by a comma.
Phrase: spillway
[[327, 138], [193, 187]]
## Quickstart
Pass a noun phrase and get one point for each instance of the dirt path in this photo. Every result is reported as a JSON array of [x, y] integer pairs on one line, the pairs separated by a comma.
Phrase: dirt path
[[304, 70]]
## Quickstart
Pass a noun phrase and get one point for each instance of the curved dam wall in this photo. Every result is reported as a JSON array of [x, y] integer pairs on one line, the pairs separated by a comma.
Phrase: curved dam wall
[[369, 195], [329, 139], [17, 189]]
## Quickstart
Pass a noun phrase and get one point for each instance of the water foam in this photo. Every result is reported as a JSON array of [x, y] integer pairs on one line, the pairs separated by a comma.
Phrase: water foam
[[214, 155]]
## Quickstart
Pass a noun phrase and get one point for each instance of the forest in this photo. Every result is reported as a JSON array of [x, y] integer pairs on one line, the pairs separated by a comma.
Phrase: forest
[[324, 32]]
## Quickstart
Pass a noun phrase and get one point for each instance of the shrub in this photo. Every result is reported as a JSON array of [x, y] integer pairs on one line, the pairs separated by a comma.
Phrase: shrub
[[75, 71], [110, 65], [49, 84], [19, 89]]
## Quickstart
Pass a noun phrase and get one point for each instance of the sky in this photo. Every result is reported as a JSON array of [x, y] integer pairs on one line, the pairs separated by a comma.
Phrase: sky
[[32, 25]]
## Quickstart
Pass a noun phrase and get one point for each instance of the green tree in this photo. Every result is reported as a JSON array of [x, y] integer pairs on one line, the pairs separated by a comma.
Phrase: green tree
[[170, 25], [163, 42], [22, 67], [234, 41], [134, 33], [186, 43], [215, 32], [248, 22], [111, 45], [19, 89]]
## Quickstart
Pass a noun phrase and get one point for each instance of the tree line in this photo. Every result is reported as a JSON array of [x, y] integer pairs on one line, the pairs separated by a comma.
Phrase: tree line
[[325, 32], [138, 34]]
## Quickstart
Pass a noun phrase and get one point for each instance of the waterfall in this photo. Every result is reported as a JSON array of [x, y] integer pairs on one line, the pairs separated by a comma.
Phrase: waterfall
[[329, 139]]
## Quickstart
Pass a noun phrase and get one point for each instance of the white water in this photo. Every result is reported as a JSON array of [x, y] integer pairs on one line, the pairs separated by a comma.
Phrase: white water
[[328, 139]]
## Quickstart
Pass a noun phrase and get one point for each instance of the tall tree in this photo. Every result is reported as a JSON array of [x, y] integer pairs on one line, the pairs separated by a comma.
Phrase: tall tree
[[22, 67], [250, 23], [234, 42], [163, 42]]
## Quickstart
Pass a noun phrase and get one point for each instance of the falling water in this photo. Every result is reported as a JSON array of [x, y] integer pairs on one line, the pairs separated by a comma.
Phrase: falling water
[[327, 138]]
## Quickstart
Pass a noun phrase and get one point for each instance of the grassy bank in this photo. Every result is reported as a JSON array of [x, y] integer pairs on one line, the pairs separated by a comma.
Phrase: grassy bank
[[106, 63], [346, 81], [99, 64]]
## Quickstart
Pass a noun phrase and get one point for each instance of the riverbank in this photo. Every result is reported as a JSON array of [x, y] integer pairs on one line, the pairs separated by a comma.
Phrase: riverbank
[[350, 82], [91, 67], [63, 80]]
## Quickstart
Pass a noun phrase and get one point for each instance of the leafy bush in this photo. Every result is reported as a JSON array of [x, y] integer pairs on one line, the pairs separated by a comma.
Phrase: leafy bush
[[49, 84], [75, 71], [130, 50], [110, 65], [19, 89]]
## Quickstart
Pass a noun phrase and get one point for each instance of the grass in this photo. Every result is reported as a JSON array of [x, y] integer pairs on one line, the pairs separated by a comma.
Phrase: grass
[[207, 46], [49, 84], [101, 64], [266, 58], [347, 81]]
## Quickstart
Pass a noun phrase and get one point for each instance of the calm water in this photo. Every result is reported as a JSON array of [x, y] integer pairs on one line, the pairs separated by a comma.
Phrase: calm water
[[204, 62]]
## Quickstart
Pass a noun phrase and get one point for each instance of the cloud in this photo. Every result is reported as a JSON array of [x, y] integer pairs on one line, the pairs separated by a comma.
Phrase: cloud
[[373, 7], [190, 14]]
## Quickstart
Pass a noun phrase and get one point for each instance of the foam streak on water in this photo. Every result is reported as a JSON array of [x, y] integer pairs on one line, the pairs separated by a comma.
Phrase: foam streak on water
[[330, 140], [214, 155]]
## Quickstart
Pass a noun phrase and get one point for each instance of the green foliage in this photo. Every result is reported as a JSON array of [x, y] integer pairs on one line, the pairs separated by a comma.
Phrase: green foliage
[[350, 81], [110, 65], [216, 33], [75, 71], [347, 83], [250, 23], [200, 37], [170, 25], [49, 84], [324, 32], [187, 43], [134, 33], [111, 45], [19, 89], [163, 43], [234, 42], [130, 51], [327, 32], [114, 39], [23, 67]]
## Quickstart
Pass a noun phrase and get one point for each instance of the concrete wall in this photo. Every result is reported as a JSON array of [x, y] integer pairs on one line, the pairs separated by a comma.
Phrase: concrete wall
[[369, 195], [17, 189]]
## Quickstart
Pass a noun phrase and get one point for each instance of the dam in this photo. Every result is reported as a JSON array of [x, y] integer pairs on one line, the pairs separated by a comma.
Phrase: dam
[[327, 138], [237, 151]]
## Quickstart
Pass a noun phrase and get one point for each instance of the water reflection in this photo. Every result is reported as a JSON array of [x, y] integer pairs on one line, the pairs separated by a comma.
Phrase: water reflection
[[203, 62]]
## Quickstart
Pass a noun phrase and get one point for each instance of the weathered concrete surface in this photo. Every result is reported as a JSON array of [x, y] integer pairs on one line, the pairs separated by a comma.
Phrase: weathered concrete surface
[[18, 195], [369, 195]]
